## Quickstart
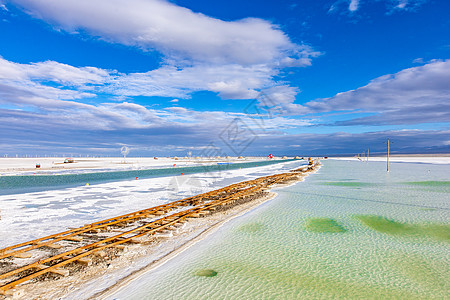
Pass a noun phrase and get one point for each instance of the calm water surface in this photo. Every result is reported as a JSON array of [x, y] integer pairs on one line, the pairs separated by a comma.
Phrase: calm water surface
[[32, 183], [350, 231]]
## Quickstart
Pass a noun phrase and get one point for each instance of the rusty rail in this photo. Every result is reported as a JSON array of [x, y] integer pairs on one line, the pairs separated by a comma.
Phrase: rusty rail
[[202, 204]]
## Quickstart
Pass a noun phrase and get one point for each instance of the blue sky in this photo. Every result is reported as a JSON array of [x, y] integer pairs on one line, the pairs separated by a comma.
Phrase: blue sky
[[224, 77]]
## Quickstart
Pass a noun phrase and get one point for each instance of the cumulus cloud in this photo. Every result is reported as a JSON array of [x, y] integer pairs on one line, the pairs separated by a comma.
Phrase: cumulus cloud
[[46, 84], [345, 6], [279, 100], [414, 141], [351, 6], [411, 96], [52, 71], [173, 30], [54, 80], [405, 5], [51, 111], [229, 81], [282, 94], [409, 115], [45, 116], [49, 134], [52, 115], [235, 59]]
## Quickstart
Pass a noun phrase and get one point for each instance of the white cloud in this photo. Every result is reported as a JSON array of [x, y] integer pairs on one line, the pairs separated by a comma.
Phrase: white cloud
[[174, 100], [47, 84], [50, 90], [344, 6], [353, 6], [46, 133], [60, 81], [280, 100], [52, 71], [419, 141], [230, 81], [415, 95], [406, 4], [176, 31], [236, 59], [350, 6], [402, 4], [282, 94]]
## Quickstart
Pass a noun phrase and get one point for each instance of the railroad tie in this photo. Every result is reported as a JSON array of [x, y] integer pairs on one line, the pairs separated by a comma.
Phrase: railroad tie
[[22, 255], [58, 271], [131, 241], [73, 239], [160, 212], [120, 247], [82, 261], [53, 246], [145, 227], [102, 253], [11, 293], [194, 215]]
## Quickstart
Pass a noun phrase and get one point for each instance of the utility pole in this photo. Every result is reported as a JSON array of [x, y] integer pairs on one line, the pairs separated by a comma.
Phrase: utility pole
[[388, 155], [367, 160]]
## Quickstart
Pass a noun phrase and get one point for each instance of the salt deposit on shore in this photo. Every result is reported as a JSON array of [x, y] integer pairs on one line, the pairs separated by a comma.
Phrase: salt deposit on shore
[[101, 276], [31, 215], [312, 241], [12, 166], [105, 277]]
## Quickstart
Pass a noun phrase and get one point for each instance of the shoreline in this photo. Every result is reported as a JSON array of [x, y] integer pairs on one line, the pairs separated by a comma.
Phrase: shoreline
[[104, 200], [278, 251], [235, 212], [50, 165], [108, 276], [211, 229]]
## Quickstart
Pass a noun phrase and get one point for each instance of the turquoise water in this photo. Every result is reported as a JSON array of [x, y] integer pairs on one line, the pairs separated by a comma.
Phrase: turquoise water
[[350, 231], [28, 183]]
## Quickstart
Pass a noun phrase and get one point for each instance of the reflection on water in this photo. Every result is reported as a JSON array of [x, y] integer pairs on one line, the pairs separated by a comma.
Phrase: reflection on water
[[384, 239]]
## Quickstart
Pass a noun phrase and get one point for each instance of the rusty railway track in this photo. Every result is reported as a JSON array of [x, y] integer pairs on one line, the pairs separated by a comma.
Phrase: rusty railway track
[[75, 245]]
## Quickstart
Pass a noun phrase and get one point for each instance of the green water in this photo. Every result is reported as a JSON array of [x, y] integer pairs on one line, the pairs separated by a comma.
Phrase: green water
[[430, 183], [324, 225], [383, 240], [385, 225], [348, 184], [252, 227], [206, 273]]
